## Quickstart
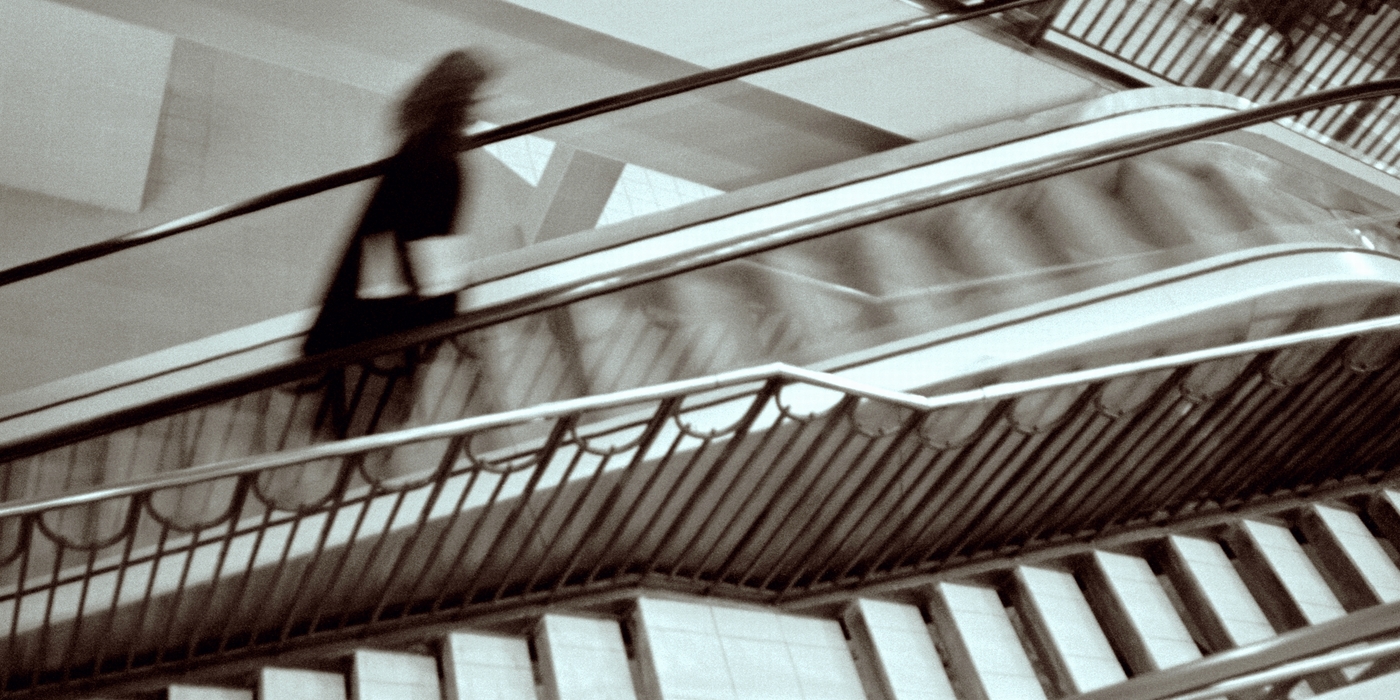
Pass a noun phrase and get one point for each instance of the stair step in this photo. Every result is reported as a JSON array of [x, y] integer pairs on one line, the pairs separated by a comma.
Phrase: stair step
[[1384, 509], [904, 663], [694, 650], [1212, 590], [300, 684], [178, 691], [480, 666], [1138, 613], [983, 649], [1155, 192], [391, 675], [1090, 225], [583, 658], [1069, 637], [1365, 575], [1292, 591], [1272, 215]]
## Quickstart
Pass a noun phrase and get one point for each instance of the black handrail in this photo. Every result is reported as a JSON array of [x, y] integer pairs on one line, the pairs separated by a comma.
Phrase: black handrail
[[1040, 169], [509, 131]]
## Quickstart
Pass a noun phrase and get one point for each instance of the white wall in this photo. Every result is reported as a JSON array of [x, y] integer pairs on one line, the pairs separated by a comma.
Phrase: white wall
[[80, 98]]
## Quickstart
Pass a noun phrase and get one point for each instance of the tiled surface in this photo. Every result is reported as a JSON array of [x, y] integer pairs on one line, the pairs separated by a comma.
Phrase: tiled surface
[[719, 652], [1359, 545], [984, 630], [197, 692], [1072, 628], [487, 667], [643, 191], [1150, 611], [1315, 600], [904, 651], [385, 675], [1217, 578], [584, 659], [299, 684]]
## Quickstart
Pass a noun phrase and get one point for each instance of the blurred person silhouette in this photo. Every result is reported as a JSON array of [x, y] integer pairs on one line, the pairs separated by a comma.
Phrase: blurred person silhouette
[[374, 291], [380, 286]]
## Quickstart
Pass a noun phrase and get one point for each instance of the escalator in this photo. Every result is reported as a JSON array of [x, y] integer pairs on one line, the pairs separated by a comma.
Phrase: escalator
[[908, 271], [859, 290]]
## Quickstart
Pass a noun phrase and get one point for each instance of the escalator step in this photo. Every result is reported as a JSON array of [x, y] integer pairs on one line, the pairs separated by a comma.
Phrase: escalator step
[[1176, 210]]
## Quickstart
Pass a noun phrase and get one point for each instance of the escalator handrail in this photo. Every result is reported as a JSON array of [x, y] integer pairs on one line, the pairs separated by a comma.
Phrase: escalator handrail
[[1032, 170], [776, 371], [530, 125]]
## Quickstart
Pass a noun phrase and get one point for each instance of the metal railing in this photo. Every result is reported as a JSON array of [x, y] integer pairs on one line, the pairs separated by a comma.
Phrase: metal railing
[[770, 484], [375, 386], [1262, 51]]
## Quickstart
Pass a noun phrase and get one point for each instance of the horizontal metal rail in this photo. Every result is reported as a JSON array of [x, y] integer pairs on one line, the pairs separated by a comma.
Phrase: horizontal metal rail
[[767, 483], [531, 125], [776, 371]]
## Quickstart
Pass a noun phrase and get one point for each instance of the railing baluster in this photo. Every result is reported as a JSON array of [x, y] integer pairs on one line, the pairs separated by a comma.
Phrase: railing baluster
[[562, 427], [401, 560], [878, 470]]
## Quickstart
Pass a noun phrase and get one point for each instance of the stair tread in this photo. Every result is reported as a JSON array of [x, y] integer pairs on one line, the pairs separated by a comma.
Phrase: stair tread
[[393, 674], [719, 651], [1313, 598], [1058, 610], [974, 622], [584, 658], [1229, 600], [1143, 601], [904, 654], [479, 666], [299, 684], [1345, 532], [179, 691]]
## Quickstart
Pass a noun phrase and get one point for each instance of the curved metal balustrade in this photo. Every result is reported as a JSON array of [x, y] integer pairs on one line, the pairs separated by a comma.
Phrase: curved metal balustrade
[[771, 484]]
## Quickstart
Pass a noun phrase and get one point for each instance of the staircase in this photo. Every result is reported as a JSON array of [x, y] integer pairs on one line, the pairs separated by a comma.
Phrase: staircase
[[1056, 624]]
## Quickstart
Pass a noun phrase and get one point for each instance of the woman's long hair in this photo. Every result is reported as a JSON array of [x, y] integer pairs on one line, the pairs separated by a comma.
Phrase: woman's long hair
[[443, 97]]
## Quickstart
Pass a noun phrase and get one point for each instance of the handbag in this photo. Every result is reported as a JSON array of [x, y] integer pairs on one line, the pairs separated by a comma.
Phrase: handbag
[[381, 268], [440, 264]]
